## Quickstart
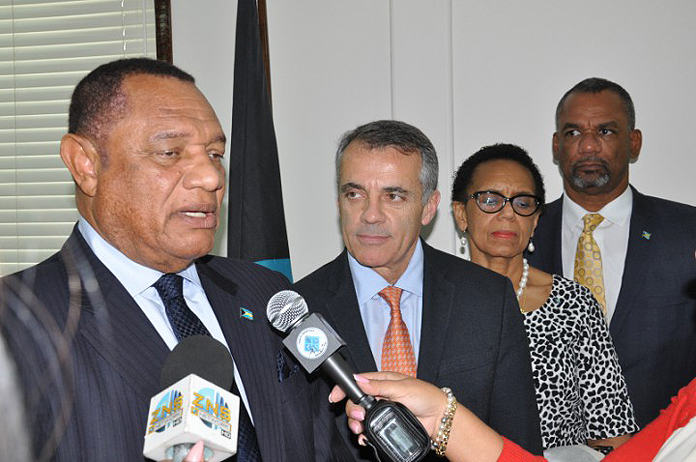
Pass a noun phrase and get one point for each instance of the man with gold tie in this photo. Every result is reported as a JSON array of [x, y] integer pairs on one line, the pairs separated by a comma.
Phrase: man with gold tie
[[404, 306], [634, 252]]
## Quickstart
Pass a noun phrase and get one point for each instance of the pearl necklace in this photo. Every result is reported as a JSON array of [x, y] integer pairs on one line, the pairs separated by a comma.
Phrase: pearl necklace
[[523, 279]]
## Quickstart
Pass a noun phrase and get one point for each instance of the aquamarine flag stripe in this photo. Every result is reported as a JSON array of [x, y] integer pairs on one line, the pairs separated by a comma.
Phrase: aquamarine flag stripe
[[282, 265]]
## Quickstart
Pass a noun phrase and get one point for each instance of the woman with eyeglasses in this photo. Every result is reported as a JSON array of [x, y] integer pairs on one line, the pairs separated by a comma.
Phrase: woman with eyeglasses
[[497, 197]]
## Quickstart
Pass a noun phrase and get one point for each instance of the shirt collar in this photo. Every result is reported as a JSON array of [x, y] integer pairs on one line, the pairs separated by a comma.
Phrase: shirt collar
[[135, 277], [369, 283], [617, 211]]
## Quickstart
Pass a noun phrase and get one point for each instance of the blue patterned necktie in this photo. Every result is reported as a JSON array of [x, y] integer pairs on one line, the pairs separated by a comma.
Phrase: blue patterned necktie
[[170, 288]]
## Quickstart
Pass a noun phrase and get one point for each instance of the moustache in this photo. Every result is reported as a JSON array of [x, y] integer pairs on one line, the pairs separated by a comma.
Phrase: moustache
[[590, 160]]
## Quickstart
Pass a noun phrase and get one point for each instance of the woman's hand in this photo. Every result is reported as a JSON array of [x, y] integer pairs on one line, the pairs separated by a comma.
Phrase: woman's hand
[[195, 454], [426, 401], [470, 439]]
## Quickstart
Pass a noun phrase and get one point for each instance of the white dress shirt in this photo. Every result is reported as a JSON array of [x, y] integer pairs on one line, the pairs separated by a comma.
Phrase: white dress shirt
[[138, 280], [611, 236], [375, 311]]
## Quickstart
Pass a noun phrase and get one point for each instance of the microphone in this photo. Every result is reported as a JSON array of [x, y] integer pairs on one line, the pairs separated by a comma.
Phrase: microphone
[[392, 430], [195, 403], [313, 342]]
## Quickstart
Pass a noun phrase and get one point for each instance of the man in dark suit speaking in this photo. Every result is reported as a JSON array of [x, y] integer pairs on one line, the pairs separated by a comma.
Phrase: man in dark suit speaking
[[639, 248], [91, 326], [401, 305]]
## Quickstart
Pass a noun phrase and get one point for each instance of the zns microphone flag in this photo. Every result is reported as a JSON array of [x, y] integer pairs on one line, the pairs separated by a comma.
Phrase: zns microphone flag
[[256, 226]]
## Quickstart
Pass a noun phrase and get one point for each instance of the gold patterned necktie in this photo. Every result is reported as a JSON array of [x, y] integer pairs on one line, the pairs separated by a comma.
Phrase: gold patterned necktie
[[588, 260], [397, 351]]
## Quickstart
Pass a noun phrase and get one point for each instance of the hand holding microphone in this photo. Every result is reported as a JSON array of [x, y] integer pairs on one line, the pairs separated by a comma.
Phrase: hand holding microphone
[[195, 454], [390, 427], [425, 400]]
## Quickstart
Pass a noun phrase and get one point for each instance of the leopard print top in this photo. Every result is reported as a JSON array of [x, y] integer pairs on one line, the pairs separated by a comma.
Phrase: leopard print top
[[580, 391]]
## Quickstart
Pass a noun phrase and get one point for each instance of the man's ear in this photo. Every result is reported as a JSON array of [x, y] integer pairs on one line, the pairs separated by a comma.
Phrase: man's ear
[[430, 208], [554, 147], [83, 161], [636, 138]]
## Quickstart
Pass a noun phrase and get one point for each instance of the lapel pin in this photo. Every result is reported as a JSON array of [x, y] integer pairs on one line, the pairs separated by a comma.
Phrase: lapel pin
[[646, 235], [246, 314]]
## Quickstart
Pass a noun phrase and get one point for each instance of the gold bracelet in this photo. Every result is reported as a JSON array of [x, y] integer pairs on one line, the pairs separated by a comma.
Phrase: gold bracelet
[[440, 443]]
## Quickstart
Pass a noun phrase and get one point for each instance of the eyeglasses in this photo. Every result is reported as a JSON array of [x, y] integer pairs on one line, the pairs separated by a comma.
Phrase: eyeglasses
[[493, 202]]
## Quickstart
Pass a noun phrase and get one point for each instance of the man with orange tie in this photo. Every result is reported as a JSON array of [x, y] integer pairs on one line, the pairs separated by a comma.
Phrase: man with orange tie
[[401, 305], [634, 252]]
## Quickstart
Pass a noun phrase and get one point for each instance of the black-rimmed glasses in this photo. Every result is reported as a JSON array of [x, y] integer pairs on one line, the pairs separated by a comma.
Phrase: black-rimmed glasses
[[492, 202]]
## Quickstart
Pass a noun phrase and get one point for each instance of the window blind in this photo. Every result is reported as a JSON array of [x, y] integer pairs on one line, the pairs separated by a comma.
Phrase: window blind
[[46, 47]]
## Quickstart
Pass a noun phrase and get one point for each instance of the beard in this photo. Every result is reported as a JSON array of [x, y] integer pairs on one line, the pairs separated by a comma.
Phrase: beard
[[598, 177]]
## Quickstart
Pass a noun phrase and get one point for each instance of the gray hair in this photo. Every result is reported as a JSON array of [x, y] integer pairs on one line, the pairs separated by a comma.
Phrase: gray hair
[[401, 136]]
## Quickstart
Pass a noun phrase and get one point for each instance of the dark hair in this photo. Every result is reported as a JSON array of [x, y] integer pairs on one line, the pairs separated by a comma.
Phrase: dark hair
[[596, 85], [98, 100], [465, 173], [399, 135]]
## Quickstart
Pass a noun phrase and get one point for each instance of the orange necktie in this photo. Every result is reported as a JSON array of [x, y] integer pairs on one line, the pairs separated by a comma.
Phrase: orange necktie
[[397, 351]]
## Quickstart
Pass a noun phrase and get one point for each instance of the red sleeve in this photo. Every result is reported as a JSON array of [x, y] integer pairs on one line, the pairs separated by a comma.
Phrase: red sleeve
[[514, 453], [645, 444]]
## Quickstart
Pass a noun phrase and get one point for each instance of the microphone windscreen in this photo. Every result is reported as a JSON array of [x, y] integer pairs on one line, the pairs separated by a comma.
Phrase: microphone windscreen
[[201, 355], [285, 308]]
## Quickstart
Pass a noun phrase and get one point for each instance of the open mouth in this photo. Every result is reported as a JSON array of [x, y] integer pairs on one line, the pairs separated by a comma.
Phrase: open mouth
[[195, 214], [200, 218]]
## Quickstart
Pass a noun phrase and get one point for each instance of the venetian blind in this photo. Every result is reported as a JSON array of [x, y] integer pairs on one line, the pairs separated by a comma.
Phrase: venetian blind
[[46, 47]]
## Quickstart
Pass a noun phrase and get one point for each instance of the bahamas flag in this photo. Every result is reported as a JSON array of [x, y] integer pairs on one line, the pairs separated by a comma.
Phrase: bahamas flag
[[256, 228]]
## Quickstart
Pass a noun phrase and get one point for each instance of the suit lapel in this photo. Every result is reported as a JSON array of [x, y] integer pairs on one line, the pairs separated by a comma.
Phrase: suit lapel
[[251, 349], [344, 316], [548, 238], [636, 263], [438, 298], [113, 324]]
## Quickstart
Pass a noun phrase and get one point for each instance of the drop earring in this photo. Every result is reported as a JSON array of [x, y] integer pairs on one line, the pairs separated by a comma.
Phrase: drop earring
[[530, 246], [464, 242]]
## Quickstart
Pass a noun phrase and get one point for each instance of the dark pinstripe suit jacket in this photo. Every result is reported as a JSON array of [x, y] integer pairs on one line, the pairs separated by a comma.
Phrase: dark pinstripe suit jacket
[[115, 357]]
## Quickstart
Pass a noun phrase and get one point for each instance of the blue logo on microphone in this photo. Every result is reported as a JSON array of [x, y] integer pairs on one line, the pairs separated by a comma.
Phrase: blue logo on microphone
[[212, 409], [312, 343], [167, 413]]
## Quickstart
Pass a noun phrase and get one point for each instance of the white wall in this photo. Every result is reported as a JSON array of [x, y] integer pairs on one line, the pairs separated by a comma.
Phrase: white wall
[[468, 73]]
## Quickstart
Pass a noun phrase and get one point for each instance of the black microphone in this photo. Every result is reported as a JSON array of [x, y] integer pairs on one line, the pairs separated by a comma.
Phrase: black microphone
[[390, 427], [195, 403], [201, 355]]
